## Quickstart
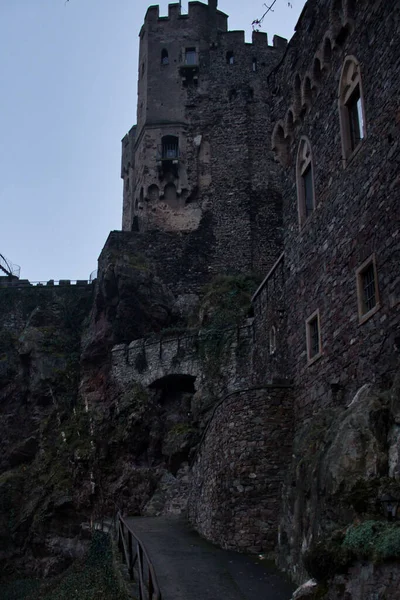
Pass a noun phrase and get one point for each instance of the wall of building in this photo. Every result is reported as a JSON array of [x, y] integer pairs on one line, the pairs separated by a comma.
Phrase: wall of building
[[240, 465], [357, 207]]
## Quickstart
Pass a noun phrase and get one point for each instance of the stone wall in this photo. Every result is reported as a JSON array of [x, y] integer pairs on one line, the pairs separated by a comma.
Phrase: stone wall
[[357, 207], [146, 361], [239, 469], [270, 318], [366, 581]]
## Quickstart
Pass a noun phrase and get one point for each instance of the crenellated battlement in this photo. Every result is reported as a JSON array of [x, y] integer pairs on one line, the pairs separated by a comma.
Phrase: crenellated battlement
[[198, 12]]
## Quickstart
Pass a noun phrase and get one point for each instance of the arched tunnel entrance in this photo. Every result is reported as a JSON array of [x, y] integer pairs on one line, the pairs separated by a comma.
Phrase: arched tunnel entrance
[[173, 394]]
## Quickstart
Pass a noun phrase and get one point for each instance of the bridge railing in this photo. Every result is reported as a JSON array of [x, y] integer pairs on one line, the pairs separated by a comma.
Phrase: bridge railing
[[138, 561]]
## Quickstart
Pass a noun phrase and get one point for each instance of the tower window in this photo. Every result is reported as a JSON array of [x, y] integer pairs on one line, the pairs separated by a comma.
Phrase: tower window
[[190, 56], [305, 181], [254, 65], [313, 337], [351, 108], [164, 57], [367, 289], [170, 147], [230, 58]]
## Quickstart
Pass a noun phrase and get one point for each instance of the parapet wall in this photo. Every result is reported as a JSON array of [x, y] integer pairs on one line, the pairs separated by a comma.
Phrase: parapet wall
[[238, 471], [145, 361], [5, 282]]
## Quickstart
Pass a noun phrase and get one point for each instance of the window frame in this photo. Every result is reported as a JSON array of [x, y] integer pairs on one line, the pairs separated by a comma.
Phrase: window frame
[[315, 316], [164, 57], [350, 84], [304, 164], [191, 51], [364, 315]]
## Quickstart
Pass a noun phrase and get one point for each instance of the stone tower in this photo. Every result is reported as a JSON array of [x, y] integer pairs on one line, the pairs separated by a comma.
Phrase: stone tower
[[185, 167]]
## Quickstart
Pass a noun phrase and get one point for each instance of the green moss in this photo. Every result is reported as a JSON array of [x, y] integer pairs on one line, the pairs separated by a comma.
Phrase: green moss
[[372, 540], [226, 301], [375, 540]]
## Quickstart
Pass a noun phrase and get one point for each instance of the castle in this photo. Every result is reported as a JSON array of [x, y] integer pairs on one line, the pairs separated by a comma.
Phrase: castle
[[281, 160]]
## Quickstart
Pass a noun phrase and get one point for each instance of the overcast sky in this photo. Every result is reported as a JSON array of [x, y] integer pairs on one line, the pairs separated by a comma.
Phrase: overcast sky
[[68, 95]]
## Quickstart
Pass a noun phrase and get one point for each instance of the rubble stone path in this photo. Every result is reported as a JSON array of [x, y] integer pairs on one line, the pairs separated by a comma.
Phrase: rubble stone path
[[190, 568]]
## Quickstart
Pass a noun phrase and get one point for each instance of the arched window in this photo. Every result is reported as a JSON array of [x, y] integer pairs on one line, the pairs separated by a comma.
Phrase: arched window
[[306, 95], [351, 108], [230, 58], [164, 57], [170, 196], [327, 53], [317, 71], [280, 144], [153, 193], [305, 181]]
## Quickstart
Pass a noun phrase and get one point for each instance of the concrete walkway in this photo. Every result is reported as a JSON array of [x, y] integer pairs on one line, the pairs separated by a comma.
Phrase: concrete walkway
[[190, 568]]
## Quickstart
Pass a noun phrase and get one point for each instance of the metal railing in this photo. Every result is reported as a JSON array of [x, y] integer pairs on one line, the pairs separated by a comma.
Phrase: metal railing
[[8, 268], [168, 152], [137, 560]]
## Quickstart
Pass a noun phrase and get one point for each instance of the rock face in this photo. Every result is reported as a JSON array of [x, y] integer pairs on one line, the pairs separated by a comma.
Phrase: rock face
[[342, 462], [40, 426]]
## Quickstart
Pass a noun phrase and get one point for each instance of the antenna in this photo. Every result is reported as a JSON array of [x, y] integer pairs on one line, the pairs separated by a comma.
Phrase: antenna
[[7, 267]]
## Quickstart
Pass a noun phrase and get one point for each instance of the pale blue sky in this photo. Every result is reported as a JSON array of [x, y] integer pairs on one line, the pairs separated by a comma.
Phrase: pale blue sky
[[68, 95]]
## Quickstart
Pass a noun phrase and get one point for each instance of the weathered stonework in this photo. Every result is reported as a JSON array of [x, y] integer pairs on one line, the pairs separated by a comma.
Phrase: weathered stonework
[[240, 467]]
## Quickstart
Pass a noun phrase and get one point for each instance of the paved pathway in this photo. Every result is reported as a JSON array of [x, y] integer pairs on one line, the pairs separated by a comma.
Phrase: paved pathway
[[190, 568]]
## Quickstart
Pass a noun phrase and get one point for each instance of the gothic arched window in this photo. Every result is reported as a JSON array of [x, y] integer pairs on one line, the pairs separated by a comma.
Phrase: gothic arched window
[[351, 108]]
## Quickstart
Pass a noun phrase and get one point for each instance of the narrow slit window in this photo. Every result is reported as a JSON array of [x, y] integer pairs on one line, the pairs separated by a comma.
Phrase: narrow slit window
[[368, 282], [314, 338], [254, 65], [164, 57], [230, 58], [308, 191]]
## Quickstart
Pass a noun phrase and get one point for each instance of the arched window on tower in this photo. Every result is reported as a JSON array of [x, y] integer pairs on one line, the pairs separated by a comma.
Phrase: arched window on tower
[[351, 108], [164, 57], [305, 181], [230, 58]]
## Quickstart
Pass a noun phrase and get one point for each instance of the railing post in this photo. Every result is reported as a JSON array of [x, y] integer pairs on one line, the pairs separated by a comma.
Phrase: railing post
[[151, 588], [130, 553]]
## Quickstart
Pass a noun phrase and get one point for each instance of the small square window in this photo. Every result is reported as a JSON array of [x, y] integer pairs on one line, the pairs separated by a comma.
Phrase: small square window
[[190, 56], [367, 289], [313, 337]]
